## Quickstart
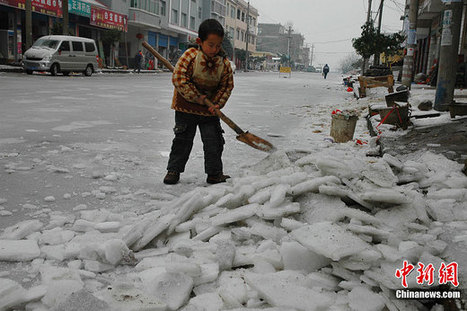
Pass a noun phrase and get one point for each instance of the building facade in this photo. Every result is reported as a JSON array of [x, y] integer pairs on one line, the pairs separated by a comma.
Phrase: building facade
[[241, 24], [429, 33], [285, 43]]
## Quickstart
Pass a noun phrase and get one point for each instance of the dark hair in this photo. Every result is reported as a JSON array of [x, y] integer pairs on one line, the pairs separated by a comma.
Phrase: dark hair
[[209, 27]]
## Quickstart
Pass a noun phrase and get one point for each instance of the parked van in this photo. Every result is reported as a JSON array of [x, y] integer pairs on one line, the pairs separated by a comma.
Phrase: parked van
[[63, 54]]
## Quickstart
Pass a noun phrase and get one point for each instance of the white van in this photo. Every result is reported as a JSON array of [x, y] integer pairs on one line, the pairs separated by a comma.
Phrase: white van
[[63, 54]]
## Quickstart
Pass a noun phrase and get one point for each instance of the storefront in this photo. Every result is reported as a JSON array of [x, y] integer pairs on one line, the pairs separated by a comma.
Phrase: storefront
[[86, 19]]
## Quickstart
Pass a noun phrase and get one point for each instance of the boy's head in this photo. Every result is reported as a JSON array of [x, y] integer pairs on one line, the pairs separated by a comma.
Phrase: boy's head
[[210, 37]]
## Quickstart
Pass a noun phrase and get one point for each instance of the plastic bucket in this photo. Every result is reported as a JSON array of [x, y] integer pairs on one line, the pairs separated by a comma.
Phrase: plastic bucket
[[343, 127]]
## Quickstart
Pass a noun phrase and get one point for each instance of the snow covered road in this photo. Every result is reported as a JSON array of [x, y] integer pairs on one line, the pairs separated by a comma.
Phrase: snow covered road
[[313, 226]]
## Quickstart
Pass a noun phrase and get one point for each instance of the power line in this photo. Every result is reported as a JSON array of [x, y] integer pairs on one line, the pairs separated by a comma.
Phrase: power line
[[335, 41]]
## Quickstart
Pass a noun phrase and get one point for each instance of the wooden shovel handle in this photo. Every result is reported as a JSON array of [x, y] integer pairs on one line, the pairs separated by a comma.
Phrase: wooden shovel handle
[[208, 103]]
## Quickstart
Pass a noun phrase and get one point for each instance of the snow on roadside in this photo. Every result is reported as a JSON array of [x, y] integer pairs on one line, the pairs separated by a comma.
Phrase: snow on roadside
[[279, 236], [300, 230]]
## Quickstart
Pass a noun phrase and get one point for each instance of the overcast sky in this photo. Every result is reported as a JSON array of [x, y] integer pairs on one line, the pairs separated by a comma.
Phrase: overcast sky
[[329, 25]]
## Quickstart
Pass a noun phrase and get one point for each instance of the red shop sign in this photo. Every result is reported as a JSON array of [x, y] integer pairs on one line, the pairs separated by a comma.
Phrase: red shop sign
[[108, 19], [48, 7]]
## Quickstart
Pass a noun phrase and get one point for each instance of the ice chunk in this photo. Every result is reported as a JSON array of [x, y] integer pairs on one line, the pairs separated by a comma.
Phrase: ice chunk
[[393, 161], [459, 195], [209, 273], [21, 230], [205, 302], [380, 174], [278, 195], [153, 231], [232, 289], [261, 196], [278, 294], [56, 236], [390, 196], [313, 185], [115, 250], [83, 301], [266, 230], [291, 224], [268, 212], [363, 299], [11, 294], [59, 290], [19, 250], [234, 215], [335, 167], [297, 257], [123, 297], [108, 226], [54, 252], [329, 240], [172, 288]]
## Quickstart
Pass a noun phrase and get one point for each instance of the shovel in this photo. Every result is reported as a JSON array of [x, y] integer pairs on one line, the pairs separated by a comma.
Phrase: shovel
[[248, 138]]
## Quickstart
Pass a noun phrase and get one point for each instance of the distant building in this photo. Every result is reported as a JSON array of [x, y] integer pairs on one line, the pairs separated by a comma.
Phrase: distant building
[[282, 40], [239, 19]]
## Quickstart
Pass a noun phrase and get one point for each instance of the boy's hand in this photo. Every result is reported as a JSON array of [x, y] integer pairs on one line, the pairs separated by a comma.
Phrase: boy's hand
[[201, 99], [213, 109]]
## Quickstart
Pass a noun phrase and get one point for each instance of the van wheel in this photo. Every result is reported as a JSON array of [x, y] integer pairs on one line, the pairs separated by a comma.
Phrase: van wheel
[[66, 73], [54, 69], [88, 71], [29, 72]]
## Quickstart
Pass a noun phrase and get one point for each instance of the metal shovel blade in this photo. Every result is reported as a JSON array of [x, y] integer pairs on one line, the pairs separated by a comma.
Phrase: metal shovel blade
[[256, 142]]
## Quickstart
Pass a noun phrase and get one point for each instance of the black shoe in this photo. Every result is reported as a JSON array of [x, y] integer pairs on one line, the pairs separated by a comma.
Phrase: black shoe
[[215, 179], [171, 178]]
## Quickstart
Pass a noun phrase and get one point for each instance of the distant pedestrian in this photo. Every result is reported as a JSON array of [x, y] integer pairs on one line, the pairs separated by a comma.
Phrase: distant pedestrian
[[325, 70], [138, 61]]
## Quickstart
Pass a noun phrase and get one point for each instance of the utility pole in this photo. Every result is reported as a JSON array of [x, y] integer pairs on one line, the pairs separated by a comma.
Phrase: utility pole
[[368, 20], [28, 25], [380, 18], [65, 17], [407, 69], [247, 34], [312, 51], [288, 43], [447, 65]]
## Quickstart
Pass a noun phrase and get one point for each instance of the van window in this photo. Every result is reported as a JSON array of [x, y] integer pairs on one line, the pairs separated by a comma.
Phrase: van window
[[89, 47], [65, 46], [77, 46], [48, 43]]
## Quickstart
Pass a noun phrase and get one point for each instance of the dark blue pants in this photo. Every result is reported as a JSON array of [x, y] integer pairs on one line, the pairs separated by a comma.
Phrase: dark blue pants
[[211, 135]]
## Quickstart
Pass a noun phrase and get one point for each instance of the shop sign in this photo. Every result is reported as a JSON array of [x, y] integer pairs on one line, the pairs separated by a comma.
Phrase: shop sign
[[78, 7], [108, 19], [48, 7]]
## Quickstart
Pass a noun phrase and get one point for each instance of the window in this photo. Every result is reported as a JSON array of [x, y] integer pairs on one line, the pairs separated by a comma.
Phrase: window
[[232, 12], [163, 8], [65, 46], [238, 34], [243, 36], [174, 16], [243, 16], [192, 22], [184, 20], [200, 13], [239, 14], [90, 47], [77, 46]]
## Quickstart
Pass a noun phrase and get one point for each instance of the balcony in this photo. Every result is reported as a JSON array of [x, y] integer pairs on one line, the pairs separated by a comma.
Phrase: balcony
[[139, 17]]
